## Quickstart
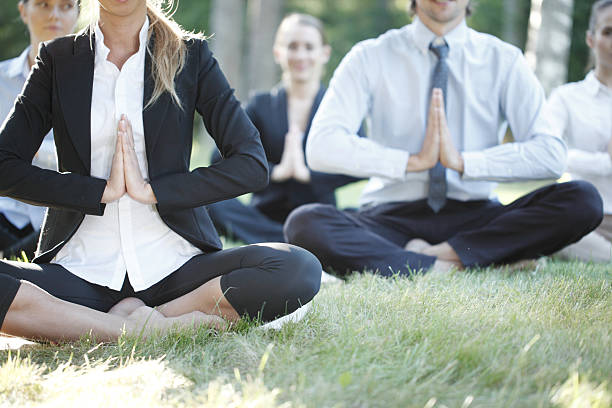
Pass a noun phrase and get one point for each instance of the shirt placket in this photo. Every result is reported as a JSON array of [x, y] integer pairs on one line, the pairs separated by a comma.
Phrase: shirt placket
[[126, 204]]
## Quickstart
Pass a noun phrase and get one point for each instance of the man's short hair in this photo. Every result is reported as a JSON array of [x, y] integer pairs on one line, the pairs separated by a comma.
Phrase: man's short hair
[[468, 9]]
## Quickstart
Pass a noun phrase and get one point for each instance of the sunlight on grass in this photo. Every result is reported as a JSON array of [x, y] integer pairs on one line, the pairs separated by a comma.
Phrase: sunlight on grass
[[578, 392], [482, 338], [142, 383]]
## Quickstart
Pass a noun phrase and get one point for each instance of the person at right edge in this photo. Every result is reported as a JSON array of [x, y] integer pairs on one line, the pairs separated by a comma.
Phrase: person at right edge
[[582, 111], [436, 93]]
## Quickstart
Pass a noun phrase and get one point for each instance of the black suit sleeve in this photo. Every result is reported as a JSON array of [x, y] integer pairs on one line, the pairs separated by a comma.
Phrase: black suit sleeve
[[20, 137], [257, 109], [243, 168]]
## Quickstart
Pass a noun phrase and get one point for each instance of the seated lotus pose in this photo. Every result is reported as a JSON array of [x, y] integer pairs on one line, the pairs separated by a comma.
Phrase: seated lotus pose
[[28, 311], [436, 93], [127, 217], [20, 222], [582, 111], [283, 117]]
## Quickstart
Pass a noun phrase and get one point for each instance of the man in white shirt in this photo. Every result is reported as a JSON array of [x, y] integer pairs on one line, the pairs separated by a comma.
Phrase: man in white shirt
[[433, 156]]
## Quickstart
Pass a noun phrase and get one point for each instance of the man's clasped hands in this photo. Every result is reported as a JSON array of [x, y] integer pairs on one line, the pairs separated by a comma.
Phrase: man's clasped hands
[[437, 145]]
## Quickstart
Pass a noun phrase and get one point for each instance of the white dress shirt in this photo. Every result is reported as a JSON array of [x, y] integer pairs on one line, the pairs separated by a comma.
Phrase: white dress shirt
[[388, 80], [582, 113], [130, 237], [13, 75]]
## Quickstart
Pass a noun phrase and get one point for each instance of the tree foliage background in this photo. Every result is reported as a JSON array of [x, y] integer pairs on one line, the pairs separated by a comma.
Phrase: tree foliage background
[[347, 22]]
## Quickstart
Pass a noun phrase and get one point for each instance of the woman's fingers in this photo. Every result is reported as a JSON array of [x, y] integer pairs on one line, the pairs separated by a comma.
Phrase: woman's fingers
[[136, 186]]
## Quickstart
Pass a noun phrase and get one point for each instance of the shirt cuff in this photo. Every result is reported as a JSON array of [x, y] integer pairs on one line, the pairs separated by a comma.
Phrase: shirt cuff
[[474, 165], [395, 163]]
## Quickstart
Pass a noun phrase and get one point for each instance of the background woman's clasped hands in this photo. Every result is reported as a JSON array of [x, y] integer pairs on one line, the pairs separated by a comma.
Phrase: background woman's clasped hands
[[125, 176], [292, 164]]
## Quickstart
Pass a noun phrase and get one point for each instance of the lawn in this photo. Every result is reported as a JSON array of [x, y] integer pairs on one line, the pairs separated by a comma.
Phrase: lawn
[[483, 338]]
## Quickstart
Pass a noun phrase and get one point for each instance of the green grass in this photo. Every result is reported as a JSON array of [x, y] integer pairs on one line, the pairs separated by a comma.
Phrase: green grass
[[487, 338]]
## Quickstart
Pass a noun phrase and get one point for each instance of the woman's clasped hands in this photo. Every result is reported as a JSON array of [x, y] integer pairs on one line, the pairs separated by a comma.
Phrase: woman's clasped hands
[[292, 164], [125, 176]]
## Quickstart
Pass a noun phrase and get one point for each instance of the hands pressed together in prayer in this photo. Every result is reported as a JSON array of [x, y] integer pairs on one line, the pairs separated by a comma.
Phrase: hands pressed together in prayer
[[292, 164], [125, 175], [437, 145]]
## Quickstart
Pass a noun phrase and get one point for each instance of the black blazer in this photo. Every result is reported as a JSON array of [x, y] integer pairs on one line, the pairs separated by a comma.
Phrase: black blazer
[[58, 94], [268, 112]]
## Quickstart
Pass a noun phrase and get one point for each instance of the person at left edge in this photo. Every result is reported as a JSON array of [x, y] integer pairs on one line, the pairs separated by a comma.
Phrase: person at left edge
[[45, 20], [126, 217]]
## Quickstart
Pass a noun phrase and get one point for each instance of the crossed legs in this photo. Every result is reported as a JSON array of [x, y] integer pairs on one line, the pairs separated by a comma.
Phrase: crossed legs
[[30, 312], [262, 281], [476, 233]]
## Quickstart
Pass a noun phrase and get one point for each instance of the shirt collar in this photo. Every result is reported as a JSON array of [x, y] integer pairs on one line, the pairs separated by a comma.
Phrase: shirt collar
[[20, 65], [102, 50], [593, 85], [423, 36]]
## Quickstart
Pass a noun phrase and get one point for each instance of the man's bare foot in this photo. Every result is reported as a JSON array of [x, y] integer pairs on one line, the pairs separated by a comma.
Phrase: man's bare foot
[[441, 267], [417, 245], [147, 320], [443, 252], [126, 306]]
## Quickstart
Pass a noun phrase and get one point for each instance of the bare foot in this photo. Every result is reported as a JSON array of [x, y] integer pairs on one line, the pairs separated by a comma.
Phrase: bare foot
[[443, 252], [147, 320], [126, 306], [441, 267], [417, 245]]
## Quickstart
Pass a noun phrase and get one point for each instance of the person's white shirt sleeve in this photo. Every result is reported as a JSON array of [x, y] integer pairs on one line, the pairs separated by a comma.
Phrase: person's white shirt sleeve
[[579, 161], [333, 145], [537, 153]]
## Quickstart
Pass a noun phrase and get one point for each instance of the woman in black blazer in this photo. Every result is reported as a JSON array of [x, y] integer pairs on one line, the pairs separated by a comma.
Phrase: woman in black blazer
[[180, 77], [283, 117]]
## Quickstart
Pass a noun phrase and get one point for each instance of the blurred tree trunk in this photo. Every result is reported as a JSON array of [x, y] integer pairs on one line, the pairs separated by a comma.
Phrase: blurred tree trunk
[[549, 40], [227, 25], [264, 17]]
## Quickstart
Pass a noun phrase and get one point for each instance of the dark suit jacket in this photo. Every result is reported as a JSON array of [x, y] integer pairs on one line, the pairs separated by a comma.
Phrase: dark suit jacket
[[58, 94], [268, 112]]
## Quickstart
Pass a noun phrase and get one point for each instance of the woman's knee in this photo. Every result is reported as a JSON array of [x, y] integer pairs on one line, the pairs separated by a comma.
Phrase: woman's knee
[[302, 277]]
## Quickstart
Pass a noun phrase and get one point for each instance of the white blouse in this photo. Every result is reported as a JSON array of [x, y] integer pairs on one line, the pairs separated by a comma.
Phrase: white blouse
[[582, 114], [130, 238]]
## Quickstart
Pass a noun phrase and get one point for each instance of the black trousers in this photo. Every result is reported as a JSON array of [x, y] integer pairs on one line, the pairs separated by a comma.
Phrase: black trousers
[[481, 232], [262, 281], [244, 223], [14, 240], [8, 289]]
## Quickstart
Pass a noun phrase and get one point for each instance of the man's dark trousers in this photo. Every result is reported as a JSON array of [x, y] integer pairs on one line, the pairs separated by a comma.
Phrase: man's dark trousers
[[481, 232]]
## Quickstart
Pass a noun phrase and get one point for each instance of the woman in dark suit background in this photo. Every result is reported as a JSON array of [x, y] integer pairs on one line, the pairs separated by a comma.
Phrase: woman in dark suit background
[[283, 117], [126, 223]]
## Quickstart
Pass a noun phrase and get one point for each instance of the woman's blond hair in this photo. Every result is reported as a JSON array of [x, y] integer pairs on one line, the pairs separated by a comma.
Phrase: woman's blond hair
[[169, 51]]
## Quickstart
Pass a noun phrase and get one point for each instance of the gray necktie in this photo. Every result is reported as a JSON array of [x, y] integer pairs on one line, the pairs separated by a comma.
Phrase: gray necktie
[[436, 198]]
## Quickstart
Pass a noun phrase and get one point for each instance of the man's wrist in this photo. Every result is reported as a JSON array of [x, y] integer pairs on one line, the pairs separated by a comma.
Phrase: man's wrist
[[416, 163]]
